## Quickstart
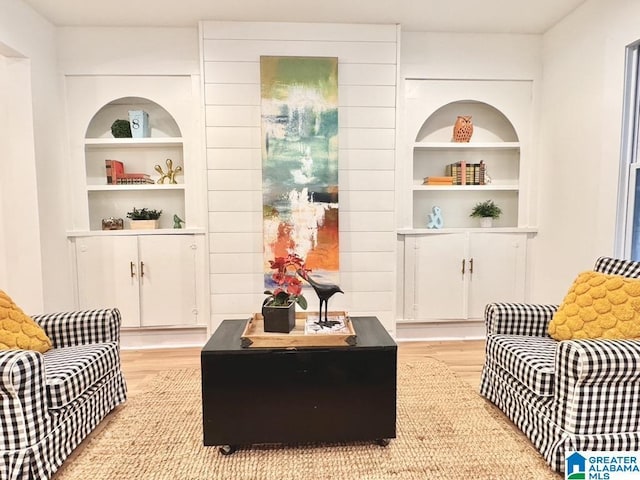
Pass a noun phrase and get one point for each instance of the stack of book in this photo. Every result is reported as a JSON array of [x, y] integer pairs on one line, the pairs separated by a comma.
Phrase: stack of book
[[117, 176], [438, 180], [464, 173]]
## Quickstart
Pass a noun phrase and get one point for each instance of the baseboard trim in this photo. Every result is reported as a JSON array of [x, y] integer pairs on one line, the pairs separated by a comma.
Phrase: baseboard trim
[[432, 332]]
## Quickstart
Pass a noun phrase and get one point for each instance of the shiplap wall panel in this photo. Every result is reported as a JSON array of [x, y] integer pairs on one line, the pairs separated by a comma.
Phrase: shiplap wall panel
[[235, 242], [367, 96], [237, 282], [248, 50], [235, 221], [367, 114], [359, 74], [234, 158], [365, 159], [223, 263], [286, 31], [242, 116], [367, 241], [364, 201], [247, 72], [367, 281], [373, 138], [231, 72], [367, 117], [233, 180], [369, 262], [232, 94], [235, 200], [366, 221], [367, 180], [234, 137]]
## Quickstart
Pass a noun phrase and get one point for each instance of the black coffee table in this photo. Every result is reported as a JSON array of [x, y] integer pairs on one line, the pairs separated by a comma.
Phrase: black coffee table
[[277, 395]]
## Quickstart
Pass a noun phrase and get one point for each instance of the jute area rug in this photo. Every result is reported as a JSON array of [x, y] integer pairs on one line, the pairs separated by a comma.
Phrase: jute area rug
[[445, 430]]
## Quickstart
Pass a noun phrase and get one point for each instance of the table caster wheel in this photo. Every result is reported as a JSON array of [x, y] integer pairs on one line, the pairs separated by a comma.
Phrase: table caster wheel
[[383, 442], [227, 449]]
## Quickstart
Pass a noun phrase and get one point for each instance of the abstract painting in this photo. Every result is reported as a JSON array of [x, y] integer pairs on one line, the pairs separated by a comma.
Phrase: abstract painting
[[299, 119]]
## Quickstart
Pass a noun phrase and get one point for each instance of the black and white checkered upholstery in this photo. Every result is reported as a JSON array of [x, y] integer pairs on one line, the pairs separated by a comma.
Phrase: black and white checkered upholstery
[[50, 402], [569, 395]]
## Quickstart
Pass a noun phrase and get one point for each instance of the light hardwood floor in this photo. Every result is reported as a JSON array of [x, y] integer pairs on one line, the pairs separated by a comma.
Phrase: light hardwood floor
[[463, 357]]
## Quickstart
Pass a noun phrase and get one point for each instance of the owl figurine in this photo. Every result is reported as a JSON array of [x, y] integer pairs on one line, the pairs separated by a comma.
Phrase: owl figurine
[[463, 129]]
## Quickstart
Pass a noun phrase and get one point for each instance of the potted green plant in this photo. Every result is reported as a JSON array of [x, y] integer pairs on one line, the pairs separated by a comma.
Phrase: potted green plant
[[486, 211], [278, 309], [144, 218]]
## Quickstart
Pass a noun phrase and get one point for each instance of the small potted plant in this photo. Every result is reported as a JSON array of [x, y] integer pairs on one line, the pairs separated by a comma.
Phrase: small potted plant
[[144, 218], [278, 309], [486, 211]]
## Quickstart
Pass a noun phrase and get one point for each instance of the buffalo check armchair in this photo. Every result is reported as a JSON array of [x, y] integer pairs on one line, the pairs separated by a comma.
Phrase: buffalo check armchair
[[50, 402], [564, 395]]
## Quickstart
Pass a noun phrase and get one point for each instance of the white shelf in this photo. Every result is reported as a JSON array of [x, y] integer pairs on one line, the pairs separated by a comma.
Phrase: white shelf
[[442, 231], [135, 187], [133, 142], [466, 188], [467, 146], [129, 231]]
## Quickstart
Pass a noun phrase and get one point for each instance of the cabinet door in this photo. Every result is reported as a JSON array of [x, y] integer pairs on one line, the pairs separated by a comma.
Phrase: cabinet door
[[498, 270], [108, 275], [167, 280], [439, 292]]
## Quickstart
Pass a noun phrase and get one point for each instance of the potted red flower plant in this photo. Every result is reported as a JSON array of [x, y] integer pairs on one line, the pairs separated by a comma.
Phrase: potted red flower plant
[[278, 309]]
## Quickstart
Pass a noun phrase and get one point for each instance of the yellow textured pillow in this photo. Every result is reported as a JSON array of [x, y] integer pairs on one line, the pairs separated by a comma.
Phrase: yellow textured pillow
[[18, 330], [598, 306]]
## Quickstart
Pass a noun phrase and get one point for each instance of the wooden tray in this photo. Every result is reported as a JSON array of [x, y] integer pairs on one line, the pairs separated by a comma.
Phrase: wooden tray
[[254, 335]]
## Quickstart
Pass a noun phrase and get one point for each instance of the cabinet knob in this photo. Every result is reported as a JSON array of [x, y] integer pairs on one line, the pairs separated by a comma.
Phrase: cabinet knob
[[193, 246], [194, 311]]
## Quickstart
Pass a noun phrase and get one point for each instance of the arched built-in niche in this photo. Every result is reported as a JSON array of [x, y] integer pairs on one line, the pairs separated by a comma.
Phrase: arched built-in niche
[[489, 123], [162, 123], [494, 142]]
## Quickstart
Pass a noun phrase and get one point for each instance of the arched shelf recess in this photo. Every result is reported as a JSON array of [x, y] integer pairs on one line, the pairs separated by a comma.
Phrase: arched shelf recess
[[489, 123], [494, 142], [162, 123]]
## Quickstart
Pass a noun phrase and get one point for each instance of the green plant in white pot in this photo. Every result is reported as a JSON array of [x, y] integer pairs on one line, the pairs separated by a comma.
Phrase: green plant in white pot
[[144, 218], [486, 211]]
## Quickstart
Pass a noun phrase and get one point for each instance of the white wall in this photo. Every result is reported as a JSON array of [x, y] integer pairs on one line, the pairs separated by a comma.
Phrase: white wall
[[367, 77], [581, 114], [31, 143]]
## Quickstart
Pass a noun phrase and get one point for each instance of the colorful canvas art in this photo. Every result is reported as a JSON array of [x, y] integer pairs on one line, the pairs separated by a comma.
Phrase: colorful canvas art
[[300, 162]]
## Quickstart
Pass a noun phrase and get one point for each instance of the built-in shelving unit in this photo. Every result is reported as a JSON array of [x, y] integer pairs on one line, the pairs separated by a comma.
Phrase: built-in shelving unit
[[139, 155], [494, 142], [156, 278], [449, 274]]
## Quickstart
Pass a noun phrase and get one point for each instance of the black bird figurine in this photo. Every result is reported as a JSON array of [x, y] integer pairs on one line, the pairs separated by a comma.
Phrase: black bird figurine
[[324, 291]]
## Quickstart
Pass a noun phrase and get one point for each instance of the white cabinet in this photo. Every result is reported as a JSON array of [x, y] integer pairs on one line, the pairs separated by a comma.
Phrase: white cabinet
[[153, 279], [452, 276]]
